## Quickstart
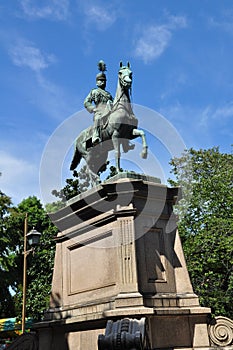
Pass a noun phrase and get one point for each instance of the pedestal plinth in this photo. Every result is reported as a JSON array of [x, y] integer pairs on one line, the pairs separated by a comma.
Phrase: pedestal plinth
[[119, 255]]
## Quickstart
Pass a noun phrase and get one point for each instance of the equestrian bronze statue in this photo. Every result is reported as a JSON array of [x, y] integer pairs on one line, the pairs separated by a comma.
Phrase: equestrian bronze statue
[[101, 99], [117, 125]]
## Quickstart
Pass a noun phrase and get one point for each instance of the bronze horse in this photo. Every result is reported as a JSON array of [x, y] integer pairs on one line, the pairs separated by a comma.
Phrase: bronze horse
[[119, 125]]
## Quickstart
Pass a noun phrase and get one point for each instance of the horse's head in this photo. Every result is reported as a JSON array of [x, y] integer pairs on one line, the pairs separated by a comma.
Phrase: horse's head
[[125, 76]]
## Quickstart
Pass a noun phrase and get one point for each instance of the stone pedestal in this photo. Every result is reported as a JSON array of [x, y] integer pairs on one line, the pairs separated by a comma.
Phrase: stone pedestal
[[119, 255]]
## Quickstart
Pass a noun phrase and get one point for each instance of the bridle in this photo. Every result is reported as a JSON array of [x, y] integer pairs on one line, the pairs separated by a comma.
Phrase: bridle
[[116, 103]]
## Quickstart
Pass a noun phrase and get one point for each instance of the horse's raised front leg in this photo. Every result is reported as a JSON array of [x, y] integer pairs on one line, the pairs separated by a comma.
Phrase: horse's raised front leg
[[138, 132], [116, 145]]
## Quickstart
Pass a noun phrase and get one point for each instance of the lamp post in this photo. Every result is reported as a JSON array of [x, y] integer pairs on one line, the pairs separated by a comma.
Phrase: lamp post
[[33, 238]]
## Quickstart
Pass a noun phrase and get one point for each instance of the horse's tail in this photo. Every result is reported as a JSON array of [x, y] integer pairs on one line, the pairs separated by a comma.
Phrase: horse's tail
[[76, 159]]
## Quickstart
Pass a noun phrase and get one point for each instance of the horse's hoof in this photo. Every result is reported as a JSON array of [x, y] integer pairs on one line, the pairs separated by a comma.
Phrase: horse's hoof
[[131, 147], [144, 155]]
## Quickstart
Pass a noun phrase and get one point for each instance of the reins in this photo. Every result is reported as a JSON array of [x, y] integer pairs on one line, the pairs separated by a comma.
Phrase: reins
[[113, 109]]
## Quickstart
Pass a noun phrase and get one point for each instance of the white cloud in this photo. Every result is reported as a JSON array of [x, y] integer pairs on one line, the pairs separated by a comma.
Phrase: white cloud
[[26, 54], [224, 21], [101, 17], [175, 22], [52, 9], [152, 43], [54, 100], [50, 97], [203, 117], [223, 113], [155, 38], [19, 177], [96, 18], [219, 115], [203, 126]]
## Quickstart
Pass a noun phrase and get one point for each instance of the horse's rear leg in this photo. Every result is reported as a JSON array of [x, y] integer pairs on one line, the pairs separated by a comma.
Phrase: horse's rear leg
[[138, 132], [116, 145], [76, 158], [94, 178]]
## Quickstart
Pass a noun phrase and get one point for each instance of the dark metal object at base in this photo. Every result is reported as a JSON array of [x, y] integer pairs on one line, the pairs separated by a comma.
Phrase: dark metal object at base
[[125, 334], [27, 341]]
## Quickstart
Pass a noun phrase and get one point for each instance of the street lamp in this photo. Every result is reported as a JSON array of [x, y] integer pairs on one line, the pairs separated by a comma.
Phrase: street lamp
[[33, 238]]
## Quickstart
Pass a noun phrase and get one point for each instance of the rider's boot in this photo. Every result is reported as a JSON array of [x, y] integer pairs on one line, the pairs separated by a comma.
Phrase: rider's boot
[[95, 137]]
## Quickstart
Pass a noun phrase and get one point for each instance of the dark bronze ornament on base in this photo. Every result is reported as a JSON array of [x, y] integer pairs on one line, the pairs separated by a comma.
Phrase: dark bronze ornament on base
[[125, 334], [27, 341]]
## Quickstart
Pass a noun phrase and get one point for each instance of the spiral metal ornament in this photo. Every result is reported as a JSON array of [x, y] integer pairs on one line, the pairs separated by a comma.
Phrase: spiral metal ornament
[[221, 331]]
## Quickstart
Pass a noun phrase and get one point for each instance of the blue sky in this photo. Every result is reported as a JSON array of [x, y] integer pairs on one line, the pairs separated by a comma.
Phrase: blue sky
[[181, 55]]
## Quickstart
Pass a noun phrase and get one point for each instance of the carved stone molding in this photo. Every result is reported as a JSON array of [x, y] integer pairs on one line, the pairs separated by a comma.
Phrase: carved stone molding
[[221, 331], [125, 334], [26, 341]]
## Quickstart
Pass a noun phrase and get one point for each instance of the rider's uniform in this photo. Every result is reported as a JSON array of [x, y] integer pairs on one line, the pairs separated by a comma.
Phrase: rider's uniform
[[100, 98]]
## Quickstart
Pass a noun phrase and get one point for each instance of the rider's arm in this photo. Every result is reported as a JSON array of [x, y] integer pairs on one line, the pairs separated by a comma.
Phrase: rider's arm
[[88, 102]]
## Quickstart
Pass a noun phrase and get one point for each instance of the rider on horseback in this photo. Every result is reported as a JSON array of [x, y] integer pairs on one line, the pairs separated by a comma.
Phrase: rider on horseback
[[101, 99], [119, 128]]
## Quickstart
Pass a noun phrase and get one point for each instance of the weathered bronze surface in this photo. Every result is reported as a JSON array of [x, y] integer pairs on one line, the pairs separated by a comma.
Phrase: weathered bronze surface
[[100, 98], [114, 124]]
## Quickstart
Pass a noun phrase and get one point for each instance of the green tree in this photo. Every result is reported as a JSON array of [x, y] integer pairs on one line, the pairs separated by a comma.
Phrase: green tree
[[79, 183], [206, 226], [6, 261], [40, 265]]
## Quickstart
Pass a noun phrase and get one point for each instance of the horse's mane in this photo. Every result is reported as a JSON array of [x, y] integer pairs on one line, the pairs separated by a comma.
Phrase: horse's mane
[[120, 92]]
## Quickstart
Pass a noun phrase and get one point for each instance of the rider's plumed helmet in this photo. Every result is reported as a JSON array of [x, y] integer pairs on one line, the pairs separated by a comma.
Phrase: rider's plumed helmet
[[102, 68], [101, 76]]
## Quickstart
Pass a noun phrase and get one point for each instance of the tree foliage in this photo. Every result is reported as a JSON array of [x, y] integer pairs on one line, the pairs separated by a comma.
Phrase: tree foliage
[[206, 226], [79, 183], [40, 265], [6, 259]]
